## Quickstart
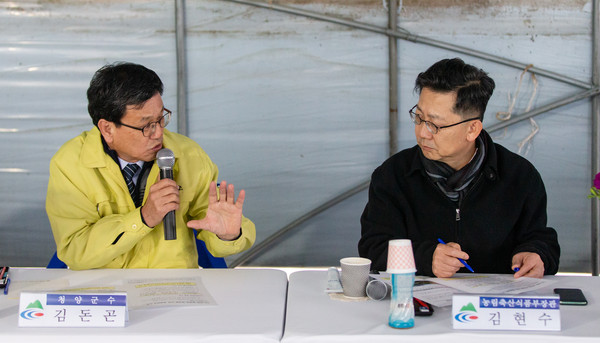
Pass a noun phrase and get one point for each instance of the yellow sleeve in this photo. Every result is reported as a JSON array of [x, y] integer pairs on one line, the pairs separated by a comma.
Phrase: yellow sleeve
[[84, 238], [221, 248]]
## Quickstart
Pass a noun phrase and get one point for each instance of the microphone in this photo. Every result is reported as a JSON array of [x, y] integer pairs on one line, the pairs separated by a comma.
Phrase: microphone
[[165, 160]]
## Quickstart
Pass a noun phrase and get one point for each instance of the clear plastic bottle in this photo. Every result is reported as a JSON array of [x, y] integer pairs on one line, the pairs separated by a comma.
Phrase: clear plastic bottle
[[402, 310]]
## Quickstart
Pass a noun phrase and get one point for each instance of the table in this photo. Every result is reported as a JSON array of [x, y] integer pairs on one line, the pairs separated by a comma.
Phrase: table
[[312, 316], [250, 308]]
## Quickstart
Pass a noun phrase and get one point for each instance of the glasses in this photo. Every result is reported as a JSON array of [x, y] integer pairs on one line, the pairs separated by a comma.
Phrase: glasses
[[149, 129], [416, 118]]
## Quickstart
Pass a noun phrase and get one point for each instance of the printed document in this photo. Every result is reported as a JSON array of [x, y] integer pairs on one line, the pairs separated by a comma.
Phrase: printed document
[[492, 283], [167, 292]]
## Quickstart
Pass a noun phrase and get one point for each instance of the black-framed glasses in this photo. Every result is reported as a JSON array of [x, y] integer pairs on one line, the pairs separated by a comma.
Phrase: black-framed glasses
[[150, 128], [416, 118]]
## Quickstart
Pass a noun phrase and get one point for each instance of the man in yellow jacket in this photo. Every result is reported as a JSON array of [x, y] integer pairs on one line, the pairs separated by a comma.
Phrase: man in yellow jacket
[[102, 216]]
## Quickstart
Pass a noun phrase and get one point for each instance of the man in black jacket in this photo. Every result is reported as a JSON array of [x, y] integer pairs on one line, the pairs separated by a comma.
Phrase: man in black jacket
[[458, 187]]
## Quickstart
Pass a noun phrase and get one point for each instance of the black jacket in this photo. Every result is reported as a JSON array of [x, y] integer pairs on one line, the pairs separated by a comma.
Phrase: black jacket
[[503, 213]]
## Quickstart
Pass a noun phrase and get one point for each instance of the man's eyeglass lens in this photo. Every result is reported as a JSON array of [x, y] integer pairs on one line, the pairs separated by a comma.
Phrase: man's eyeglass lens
[[149, 129], [416, 118]]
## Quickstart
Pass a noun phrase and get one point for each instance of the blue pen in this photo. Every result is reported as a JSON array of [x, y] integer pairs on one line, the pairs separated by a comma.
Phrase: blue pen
[[460, 259], [6, 287], [516, 269]]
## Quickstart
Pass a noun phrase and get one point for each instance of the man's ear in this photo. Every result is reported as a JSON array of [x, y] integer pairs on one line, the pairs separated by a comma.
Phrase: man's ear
[[107, 129], [474, 130]]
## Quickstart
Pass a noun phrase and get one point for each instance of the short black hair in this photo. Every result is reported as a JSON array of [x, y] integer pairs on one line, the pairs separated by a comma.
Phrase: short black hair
[[472, 85], [116, 86]]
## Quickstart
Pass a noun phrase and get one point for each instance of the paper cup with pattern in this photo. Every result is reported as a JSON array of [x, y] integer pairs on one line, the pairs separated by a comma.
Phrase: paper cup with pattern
[[355, 276], [400, 257]]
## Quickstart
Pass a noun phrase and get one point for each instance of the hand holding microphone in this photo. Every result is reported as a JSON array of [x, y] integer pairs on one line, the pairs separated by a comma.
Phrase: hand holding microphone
[[166, 160], [163, 196]]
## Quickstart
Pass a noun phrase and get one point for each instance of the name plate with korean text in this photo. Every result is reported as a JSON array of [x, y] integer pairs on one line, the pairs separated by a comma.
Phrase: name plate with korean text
[[73, 310], [506, 312]]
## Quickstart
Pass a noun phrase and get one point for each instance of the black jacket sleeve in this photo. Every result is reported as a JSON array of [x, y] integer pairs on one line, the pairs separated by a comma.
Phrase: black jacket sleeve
[[389, 215], [533, 234]]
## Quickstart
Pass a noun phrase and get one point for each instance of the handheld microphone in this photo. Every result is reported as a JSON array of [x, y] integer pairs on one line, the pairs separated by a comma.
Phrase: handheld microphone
[[165, 160]]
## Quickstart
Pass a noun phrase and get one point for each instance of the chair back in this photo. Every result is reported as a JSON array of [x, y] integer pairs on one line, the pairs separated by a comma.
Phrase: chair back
[[205, 258], [55, 262]]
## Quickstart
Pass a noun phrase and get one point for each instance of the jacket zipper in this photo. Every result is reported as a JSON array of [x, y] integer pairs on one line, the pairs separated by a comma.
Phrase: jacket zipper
[[457, 216], [460, 199], [457, 240]]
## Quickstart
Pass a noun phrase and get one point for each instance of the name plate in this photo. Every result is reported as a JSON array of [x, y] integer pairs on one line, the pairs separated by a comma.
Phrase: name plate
[[506, 312], [73, 310]]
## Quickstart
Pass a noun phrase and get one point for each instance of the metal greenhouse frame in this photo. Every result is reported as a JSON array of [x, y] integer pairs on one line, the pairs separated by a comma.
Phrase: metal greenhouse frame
[[587, 90]]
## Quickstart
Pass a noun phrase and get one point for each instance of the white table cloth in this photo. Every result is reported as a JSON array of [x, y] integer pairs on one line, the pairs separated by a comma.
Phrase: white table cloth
[[250, 308], [313, 317]]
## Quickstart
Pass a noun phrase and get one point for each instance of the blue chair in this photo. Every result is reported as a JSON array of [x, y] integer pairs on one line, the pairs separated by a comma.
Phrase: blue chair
[[55, 262], [205, 258]]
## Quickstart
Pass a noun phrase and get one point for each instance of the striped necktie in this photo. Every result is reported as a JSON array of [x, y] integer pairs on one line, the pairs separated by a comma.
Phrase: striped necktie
[[129, 171]]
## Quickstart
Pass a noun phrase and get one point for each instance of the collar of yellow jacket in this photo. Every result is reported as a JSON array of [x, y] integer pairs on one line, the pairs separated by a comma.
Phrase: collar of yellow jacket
[[92, 152]]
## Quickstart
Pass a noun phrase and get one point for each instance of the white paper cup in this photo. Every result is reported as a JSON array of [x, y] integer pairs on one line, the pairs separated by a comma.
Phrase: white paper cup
[[400, 257], [355, 276]]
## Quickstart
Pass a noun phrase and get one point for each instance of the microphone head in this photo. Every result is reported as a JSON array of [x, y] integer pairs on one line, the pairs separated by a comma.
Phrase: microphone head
[[165, 158]]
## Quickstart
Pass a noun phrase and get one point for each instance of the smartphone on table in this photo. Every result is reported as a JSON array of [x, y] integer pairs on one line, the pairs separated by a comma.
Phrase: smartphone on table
[[571, 296]]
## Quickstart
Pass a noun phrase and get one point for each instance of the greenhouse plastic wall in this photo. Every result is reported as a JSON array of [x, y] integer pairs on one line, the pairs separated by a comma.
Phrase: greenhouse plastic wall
[[293, 110]]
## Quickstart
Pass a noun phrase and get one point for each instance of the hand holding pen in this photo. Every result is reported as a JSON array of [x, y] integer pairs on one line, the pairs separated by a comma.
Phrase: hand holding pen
[[527, 264], [448, 259]]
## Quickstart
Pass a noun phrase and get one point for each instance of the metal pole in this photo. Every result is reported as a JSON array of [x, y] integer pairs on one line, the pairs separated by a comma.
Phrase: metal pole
[[393, 77], [542, 109], [259, 249], [595, 225], [492, 58], [392, 31], [265, 245], [406, 35], [182, 118]]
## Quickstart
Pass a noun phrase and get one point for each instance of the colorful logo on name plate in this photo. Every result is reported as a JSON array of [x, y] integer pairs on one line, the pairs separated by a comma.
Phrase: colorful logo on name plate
[[467, 313], [33, 311]]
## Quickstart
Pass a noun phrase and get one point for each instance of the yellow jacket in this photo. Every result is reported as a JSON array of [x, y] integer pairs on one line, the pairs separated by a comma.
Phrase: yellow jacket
[[96, 224]]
